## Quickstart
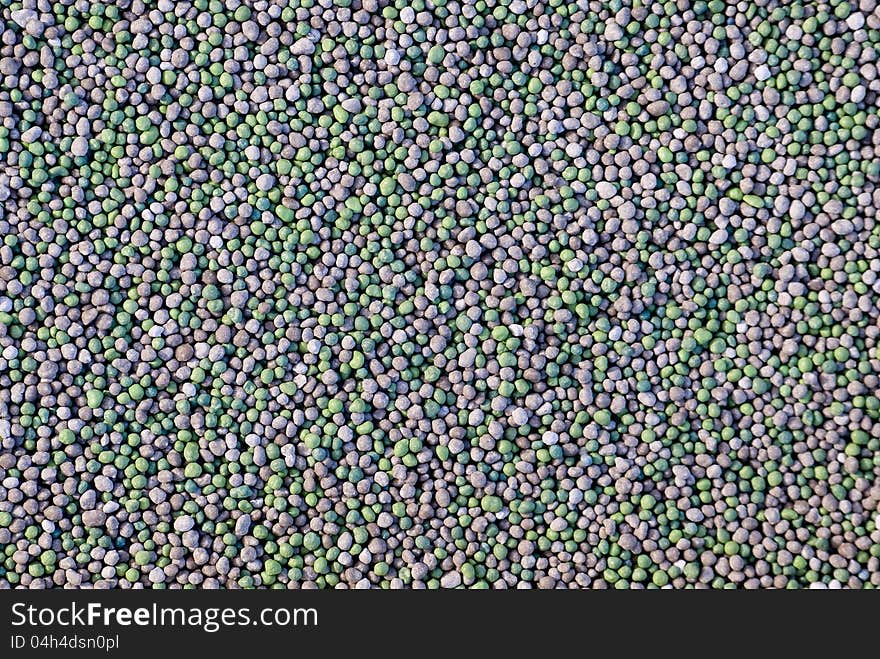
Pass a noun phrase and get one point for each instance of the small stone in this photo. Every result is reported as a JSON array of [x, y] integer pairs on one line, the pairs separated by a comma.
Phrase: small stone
[[450, 580], [304, 46], [94, 518], [658, 108], [31, 135], [79, 147], [265, 182], [519, 417], [352, 105], [718, 237], [606, 190]]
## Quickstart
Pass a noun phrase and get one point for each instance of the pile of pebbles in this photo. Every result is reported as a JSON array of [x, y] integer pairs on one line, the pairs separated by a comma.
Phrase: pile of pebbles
[[439, 293]]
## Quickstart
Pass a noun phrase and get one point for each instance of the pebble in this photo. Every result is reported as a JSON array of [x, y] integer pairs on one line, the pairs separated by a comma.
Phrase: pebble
[[93, 518], [304, 46], [519, 416], [658, 108], [79, 147], [265, 182], [450, 580], [606, 190]]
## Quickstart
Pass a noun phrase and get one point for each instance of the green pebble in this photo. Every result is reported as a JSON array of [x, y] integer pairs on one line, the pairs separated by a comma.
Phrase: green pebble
[[491, 504], [94, 398]]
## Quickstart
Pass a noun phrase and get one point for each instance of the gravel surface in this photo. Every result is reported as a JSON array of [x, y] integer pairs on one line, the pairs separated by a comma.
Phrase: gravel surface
[[492, 294]]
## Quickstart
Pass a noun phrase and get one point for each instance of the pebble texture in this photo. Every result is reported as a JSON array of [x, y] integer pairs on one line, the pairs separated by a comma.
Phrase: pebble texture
[[441, 293]]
